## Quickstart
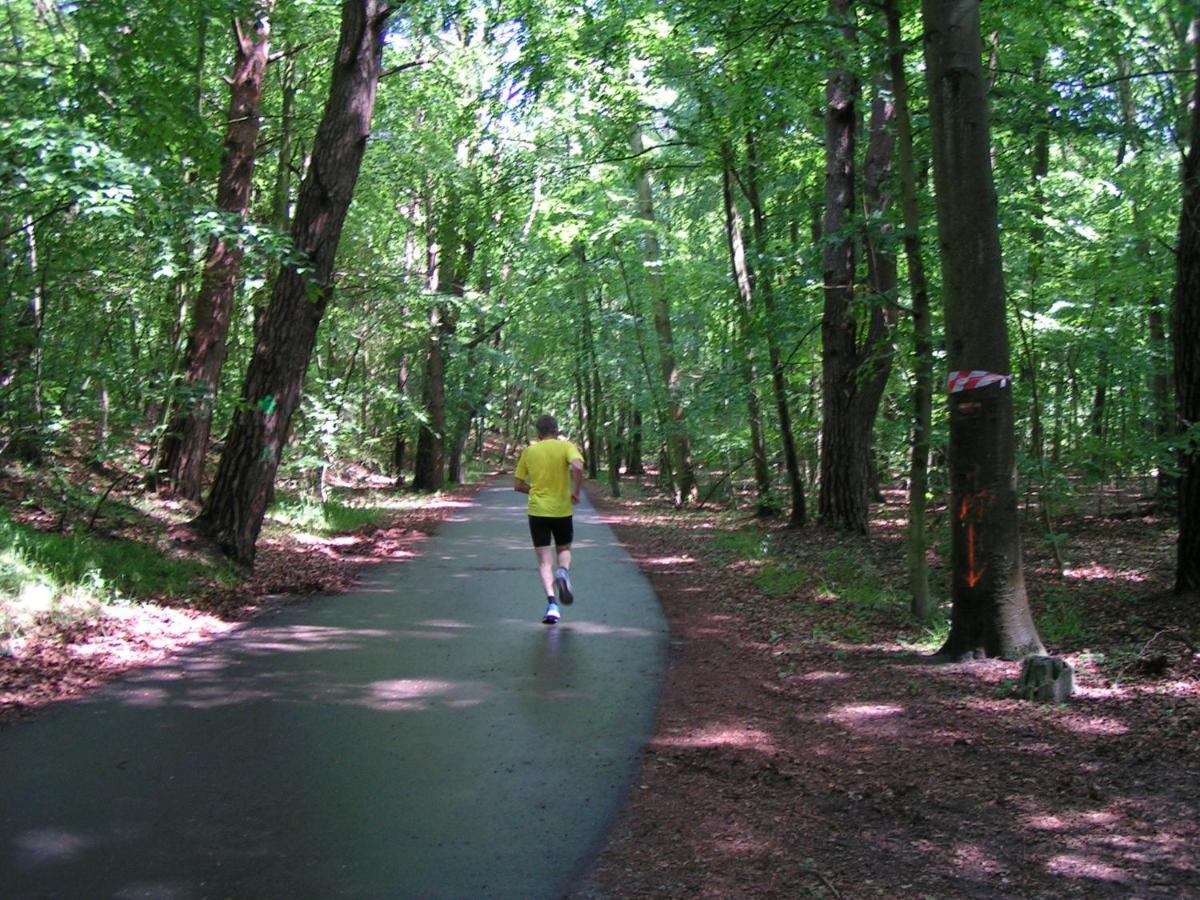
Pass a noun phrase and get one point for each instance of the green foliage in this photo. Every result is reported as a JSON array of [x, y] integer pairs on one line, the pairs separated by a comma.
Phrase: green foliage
[[780, 579], [496, 225], [68, 576], [740, 545], [327, 517], [1061, 620]]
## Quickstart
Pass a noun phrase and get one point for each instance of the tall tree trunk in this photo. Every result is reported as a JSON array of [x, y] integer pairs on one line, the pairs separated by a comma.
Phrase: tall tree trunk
[[429, 465], [400, 428], [603, 427], [399, 432], [633, 459], [429, 471], [1100, 399], [1185, 333], [743, 282], [851, 370], [990, 614], [591, 378], [186, 441], [677, 435], [798, 513], [22, 362], [636, 466], [878, 350], [233, 513], [918, 487], [448, 278]]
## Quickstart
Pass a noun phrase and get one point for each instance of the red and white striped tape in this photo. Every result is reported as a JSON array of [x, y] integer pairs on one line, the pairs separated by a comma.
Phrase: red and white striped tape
[[968, 381]]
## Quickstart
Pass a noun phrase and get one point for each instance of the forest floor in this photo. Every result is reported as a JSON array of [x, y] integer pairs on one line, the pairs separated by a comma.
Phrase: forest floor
[[804, 745]]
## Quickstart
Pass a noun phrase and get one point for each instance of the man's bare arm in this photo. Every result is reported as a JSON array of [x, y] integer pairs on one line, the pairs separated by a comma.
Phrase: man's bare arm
[[521, 487], [577, 479]]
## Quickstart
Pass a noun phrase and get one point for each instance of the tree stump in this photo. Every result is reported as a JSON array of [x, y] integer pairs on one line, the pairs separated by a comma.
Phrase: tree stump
[[1047, 678]]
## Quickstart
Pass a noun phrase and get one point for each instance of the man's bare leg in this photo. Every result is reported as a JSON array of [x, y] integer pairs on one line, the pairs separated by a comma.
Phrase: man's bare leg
[[545, 558], [562, 576]]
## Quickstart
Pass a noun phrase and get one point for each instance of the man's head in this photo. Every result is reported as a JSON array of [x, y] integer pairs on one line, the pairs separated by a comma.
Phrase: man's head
[[547, 427]]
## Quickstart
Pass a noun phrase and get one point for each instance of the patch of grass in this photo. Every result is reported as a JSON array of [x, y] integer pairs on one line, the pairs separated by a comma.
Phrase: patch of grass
[[778, 579], [1061, 621], [852, 577], [929, 637], [66, 577], [842, 565], [868, 594], [325, 518], [742, 545]]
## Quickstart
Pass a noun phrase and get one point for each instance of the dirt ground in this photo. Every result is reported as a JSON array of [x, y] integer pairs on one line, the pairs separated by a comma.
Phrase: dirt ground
[[802, 747], [789, 763]]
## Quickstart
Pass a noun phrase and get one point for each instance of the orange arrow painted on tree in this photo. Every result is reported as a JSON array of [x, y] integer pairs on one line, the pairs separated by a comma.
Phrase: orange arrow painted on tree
[[973, 577], [975, 501]]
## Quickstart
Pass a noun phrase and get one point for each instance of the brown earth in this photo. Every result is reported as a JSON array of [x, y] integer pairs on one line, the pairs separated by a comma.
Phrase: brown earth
[[803, 750]]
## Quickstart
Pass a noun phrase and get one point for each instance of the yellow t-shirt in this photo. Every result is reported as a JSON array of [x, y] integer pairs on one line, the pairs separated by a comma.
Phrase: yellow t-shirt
[[546, 467]]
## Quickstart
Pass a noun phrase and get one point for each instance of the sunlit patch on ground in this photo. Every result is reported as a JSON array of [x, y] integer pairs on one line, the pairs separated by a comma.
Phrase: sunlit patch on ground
[[721, 735], [1076, 865], [823, 676], [1095, 571], [857, 712], [670, 561]]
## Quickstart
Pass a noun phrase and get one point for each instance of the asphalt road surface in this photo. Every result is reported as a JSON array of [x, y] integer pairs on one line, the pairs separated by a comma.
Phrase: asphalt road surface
[[424, 736]]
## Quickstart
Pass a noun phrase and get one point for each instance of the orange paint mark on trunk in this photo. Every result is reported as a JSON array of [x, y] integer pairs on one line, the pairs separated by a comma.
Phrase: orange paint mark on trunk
[[972, 502], [973, 576]]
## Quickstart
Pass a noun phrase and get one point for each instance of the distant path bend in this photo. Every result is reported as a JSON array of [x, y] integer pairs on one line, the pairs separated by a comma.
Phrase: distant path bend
[[422, 736]]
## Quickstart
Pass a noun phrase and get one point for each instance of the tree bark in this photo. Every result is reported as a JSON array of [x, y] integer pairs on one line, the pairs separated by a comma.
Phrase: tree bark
[[633, 457], [743, 282], [1185, 334], [400, 433], [232, 515], [798, 514], [448, 276], [677, 436], [23, 361], [854, 368], [918, 486], [429, 465], [185, 444], [990, 615]]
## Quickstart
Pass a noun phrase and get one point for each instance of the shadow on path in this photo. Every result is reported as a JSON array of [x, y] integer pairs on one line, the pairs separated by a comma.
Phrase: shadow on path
[[422, 736]]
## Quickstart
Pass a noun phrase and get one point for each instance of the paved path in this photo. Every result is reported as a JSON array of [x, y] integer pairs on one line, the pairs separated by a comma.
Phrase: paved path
[[424, 736]]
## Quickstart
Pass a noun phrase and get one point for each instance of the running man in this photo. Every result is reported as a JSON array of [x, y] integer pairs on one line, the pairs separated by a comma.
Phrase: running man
[[550, 471]]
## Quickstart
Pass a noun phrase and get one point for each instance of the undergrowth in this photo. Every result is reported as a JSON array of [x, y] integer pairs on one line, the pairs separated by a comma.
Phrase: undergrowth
[[307, 514], [54, 577]]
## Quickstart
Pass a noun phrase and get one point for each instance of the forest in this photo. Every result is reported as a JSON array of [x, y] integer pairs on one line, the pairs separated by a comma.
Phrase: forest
[[796, 262]]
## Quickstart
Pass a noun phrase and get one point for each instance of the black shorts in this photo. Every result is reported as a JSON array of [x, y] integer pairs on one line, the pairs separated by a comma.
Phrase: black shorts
[[560, 528]]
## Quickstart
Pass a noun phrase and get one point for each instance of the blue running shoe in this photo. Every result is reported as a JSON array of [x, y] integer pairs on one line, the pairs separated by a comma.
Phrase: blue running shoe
[[562, 581], [552, 614]]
